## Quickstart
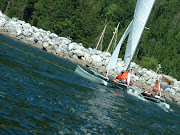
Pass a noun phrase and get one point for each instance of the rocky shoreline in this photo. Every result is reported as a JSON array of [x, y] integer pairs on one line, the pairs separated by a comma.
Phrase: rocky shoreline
[[87, 57]]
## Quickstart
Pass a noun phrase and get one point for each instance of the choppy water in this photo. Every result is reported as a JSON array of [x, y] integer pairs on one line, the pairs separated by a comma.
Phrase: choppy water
[[41, 94]]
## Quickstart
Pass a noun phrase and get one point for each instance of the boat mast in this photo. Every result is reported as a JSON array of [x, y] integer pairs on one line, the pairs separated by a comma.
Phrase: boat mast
[[115, 33], [102, 35]]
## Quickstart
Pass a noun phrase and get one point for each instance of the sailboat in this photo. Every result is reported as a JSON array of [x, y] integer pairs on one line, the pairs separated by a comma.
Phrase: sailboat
[[134, 32]]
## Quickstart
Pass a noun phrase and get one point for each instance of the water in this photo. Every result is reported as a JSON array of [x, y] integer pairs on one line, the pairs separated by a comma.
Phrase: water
[[41, 94]]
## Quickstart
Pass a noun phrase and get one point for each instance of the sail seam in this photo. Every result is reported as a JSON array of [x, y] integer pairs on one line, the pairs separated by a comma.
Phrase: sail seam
[[139, 19], [145, 4]]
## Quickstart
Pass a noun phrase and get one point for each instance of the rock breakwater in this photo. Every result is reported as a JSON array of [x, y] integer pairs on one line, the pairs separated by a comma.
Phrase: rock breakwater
[[89, 57]]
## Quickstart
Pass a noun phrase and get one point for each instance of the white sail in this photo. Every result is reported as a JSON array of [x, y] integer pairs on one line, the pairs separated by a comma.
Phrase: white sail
[[114, 57], [141, 15]]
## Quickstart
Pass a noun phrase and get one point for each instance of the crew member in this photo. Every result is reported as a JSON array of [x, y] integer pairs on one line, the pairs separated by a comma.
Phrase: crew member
[[156, 88], [120, 75], [125, 78]]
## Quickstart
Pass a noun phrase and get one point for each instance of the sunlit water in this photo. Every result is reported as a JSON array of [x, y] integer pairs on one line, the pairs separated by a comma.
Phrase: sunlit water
[[41, 94]]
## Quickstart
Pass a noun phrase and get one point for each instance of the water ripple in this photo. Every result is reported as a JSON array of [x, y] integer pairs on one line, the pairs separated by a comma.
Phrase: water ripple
[[41, 94]]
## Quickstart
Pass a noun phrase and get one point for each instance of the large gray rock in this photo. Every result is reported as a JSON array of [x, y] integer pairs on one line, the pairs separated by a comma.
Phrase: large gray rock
[[31, 39], [46, 38], [45, 44], [52, 35], [79, 53], [14, 19], [164, 85], [6, 17], [97, 52], [2, 23], [96, 58], [56, 40], [26, 26], [1, 14], [173, 91], [87, 58], [72, 46], [177, 84], [176, 98], [26, 33], [170, 90], [91, 52]]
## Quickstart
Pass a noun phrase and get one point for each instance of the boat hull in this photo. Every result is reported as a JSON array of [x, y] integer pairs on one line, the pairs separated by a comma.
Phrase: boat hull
[[91, 75]]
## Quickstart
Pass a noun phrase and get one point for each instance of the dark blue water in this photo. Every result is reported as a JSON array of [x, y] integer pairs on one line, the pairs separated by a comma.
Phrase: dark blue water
[[41, 94]]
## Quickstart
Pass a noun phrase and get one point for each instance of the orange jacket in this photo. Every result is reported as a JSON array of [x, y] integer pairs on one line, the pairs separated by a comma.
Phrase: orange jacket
[[119, 76], [124, 75], [155, 88]]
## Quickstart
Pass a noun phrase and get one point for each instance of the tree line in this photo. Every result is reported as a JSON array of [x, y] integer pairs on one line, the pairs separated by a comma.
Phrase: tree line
[[84, 20]]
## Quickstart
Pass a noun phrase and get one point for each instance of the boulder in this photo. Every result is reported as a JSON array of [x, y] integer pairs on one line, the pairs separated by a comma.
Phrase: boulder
[[52, 35], [46, 38], [21, 22], [26, 33], [167, 95], [26, 26], [56, 41], [96, 58], [64, 41], [79, 53], [139, 72], [72, 46], [45, 44], [172, 91], [1, 14], [164, 85], [55, 47], [87, 57], [40, 42], [97, 52], [178, 90], [176, 97], [167, 79], [75, 56], [6, 17], [31, 39], [14, 19], [2, 23], [90, 51], [177, 84]]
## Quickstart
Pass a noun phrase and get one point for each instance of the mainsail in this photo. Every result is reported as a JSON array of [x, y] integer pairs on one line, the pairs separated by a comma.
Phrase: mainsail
[[114, 57], [141, 15]]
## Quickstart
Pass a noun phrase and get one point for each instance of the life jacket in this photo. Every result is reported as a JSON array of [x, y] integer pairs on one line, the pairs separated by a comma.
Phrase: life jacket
[[124, 75], [156, 87], [119, 76]]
